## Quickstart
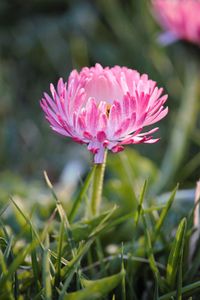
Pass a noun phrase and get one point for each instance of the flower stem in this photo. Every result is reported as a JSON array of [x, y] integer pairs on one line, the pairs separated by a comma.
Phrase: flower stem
[[97, 186]]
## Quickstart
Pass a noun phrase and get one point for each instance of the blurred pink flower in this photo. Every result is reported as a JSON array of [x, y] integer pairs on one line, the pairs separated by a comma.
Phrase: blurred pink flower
[[105, 108], [180, 19]]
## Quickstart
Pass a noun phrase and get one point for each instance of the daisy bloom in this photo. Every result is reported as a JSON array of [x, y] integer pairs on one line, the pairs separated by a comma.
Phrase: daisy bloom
[[180, 19], [105, 108]]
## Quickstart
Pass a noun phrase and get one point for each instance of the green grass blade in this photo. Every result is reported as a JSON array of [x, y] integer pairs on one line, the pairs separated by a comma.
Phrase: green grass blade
[[70, 240], [46, 275], [8, 255], [150, 253], [8, 250], [165, 212], [35, 266], [4, 208], [16, 262], [156, 291], [71, 268], [124, 276], [63, 216], [38, 296], [59, 256], [180, 276], [174, 256], [189, 290], [81, 194], [27, 219], [141, 200], [103, 223], [63, 260], [8, 284], [100, 255]]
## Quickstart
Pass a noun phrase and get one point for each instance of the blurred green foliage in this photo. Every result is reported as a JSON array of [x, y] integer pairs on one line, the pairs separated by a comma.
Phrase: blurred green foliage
[[43, 40]]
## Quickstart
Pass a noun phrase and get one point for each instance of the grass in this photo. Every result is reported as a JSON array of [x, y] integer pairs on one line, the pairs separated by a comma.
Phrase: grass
[[83, 258]]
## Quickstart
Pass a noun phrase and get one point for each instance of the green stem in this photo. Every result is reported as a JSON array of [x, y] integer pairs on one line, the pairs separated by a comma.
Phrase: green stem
[[97, 186]]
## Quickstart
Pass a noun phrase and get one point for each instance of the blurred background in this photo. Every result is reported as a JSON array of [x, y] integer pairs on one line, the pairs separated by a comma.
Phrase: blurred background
[[41, 41]]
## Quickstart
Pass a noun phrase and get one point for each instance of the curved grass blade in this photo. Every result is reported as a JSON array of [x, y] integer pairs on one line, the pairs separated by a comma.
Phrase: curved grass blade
[[174, 256], [164, 212]]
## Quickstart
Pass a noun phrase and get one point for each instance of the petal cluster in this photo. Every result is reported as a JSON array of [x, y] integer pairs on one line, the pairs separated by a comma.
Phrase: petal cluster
[[105, 108], [180, 19]]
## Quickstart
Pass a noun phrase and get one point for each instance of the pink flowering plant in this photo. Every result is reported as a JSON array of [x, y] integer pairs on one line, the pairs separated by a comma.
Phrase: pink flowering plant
[[105, 108], [181, 22], [179, 18]]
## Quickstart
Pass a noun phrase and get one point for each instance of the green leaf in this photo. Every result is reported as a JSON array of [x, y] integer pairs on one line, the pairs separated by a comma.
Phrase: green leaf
[[174, 257], [96, 289], [81, 230]]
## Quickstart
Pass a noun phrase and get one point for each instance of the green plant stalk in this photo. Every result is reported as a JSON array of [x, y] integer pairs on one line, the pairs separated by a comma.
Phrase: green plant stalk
[[97, 186]]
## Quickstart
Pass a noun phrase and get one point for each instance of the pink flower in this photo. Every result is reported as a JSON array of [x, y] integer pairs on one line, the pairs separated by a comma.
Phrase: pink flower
[[105, 108], [180, 19]]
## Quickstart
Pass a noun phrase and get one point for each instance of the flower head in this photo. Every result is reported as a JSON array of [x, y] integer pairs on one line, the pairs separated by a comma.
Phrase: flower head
[[105, 108], [180, 19]]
